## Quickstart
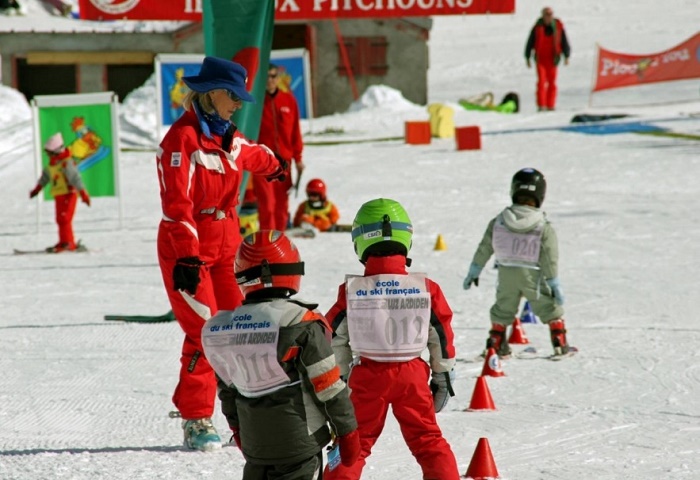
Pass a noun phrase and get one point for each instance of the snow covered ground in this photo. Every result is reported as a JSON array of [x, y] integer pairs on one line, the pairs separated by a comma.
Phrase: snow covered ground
[[83, 398]]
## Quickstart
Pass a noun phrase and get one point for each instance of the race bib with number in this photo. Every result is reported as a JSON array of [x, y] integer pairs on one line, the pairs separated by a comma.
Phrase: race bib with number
[[388, 316], [517, 249], [241, 346]]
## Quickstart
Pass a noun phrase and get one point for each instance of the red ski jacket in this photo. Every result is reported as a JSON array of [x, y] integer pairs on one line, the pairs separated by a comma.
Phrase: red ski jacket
[[199, 181], [280, 129], [549, 42]]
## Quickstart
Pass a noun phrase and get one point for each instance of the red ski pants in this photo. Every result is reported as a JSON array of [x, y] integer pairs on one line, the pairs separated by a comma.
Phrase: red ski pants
[[65, 211], [195, 394], [273, 203], [546, 85], [404, 386]]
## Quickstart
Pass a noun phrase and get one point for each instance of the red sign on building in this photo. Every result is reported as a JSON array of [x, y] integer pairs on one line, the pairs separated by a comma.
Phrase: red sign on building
[[191, 10]]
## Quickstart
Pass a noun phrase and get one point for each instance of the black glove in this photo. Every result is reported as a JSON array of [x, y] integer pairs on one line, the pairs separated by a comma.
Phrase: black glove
[[186, 274], [281, 173]]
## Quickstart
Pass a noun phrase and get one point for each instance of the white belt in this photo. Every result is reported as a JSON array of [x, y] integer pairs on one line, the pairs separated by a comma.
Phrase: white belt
[[218, 214]]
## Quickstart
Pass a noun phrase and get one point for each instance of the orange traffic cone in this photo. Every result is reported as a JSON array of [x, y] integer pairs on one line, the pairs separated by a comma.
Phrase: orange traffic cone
[[481, 397], [482, 466], [492, 364], [517, 335], [440, 243]]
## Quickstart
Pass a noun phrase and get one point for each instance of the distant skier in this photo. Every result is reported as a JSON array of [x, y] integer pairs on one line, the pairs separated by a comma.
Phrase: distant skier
[[279, 385], [280, 130], [388, 317], [548, 41], [317, 210], [66, 185], [527, 257]]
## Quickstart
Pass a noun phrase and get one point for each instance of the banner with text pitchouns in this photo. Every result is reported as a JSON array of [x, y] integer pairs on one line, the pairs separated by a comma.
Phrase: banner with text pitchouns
[[191, 10], [616, 70]]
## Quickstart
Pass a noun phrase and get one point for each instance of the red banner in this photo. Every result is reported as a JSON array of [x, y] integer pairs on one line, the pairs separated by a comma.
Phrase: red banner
[[191, 10], [617, 70]]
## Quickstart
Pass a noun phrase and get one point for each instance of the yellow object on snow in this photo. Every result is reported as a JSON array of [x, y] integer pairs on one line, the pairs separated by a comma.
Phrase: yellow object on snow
[[440, 243], [442, 124]]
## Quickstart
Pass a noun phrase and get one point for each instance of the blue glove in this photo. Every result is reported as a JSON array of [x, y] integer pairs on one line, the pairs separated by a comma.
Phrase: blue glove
[[441, 387], [472, 276], [557, 292]]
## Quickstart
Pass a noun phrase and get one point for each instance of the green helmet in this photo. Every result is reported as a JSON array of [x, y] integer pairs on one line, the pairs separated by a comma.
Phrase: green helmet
[[381, 225]]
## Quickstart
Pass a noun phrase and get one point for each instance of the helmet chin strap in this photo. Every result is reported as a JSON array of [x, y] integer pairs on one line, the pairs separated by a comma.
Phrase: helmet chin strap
[[266, 270], [265, 274], [386, 227]]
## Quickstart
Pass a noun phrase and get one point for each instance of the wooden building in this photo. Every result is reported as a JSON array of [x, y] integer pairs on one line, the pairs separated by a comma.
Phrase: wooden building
[[84, 57]]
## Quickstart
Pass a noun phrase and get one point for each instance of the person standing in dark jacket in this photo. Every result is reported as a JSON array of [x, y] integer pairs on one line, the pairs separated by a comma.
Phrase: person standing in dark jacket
[[279, 384], [549, 43]]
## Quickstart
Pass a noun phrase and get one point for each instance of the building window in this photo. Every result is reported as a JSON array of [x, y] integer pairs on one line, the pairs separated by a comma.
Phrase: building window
[[367, 56]]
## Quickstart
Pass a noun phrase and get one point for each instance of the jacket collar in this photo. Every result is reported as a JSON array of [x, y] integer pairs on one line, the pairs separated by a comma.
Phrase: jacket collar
[[390, 264]]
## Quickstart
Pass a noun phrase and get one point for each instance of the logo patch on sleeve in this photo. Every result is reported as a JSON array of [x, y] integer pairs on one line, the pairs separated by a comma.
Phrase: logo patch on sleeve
[[176, 159]]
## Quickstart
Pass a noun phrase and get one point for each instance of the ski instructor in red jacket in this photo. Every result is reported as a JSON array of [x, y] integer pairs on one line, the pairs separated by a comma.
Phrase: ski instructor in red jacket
[[548, 41], [280, 130], [200, 165]]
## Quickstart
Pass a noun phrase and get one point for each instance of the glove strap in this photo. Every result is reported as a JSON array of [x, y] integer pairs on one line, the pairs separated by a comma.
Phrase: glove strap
[[449, 384]]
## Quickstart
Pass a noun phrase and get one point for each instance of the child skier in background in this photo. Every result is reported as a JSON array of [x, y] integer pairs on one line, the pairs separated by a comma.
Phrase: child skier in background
[[279, 384], [317, 210], [527, 256], [66, 185], [388, 317]]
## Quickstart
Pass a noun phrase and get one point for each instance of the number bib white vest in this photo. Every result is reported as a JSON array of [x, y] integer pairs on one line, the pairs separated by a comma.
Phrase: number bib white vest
[[241, 346], [517, 249], [388, 316]]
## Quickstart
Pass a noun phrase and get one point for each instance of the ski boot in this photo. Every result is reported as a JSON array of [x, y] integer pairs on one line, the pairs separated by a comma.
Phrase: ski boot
[[497, 340], [557, 331], [61, 247], [201, 435]]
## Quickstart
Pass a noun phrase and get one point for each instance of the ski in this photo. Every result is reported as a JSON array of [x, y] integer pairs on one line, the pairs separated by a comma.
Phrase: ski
[[300, 232], [310, 232], [530, 353], [340, 227], [167, 317], [477, 359], [572, 351], [79, 249]]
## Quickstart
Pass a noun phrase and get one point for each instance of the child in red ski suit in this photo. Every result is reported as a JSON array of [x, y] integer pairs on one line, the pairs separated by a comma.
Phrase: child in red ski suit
[[66, 185], [387, 318], [317, 210]]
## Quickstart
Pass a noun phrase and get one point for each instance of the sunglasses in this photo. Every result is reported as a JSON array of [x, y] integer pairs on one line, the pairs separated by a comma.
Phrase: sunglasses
[[271, 75], [232, 96]]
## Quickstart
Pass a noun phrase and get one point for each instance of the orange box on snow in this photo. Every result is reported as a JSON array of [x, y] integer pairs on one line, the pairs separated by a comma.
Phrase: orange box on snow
[[468, 138], [417, 133]]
